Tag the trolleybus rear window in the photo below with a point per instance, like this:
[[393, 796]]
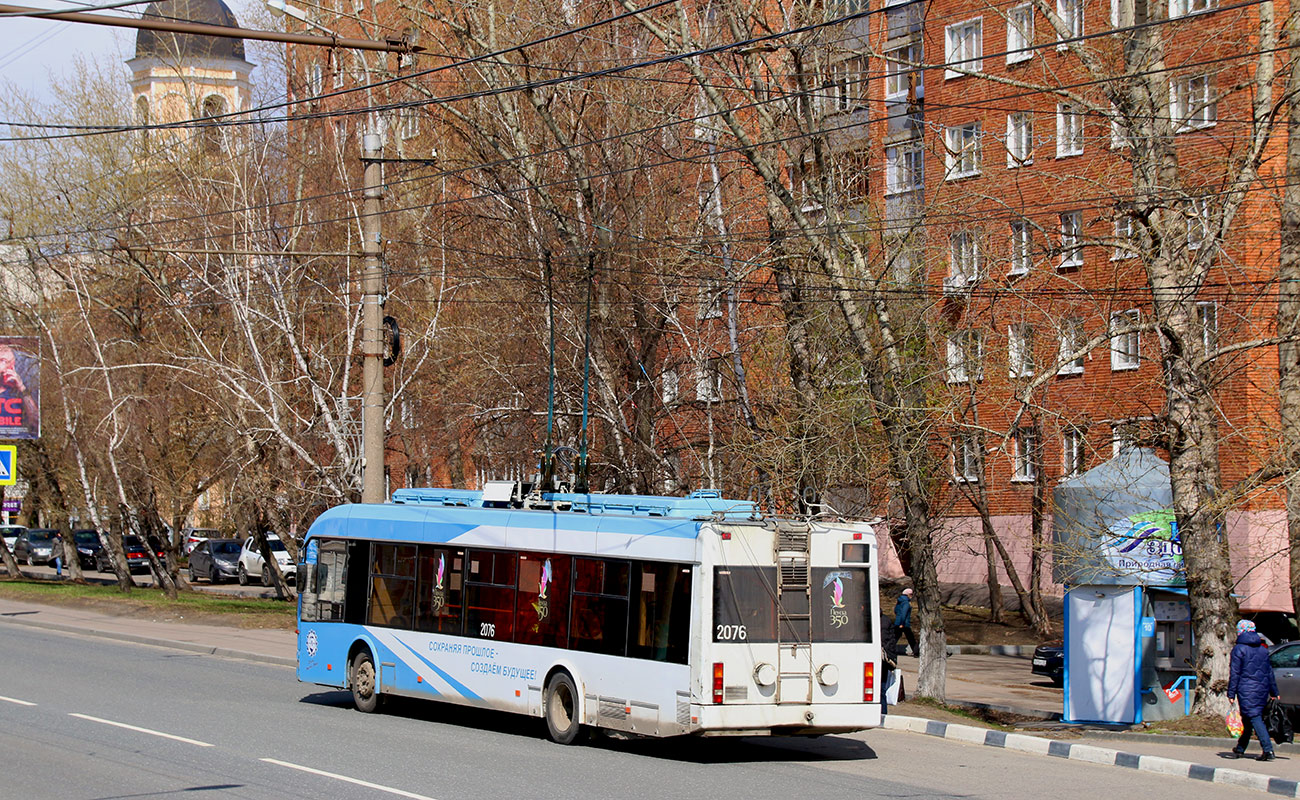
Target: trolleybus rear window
[[744, 604], [841, 605]]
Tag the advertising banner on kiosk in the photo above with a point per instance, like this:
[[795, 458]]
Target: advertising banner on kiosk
[[20, 388]]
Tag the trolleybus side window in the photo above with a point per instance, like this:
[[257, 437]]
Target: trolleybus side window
[[490, 595], [600, 606], [543, 600], [744, 604], [441, 590], [392, 585], [661, 612], [841, 604]]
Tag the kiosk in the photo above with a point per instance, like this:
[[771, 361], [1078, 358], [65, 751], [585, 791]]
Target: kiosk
[[1128, 634]]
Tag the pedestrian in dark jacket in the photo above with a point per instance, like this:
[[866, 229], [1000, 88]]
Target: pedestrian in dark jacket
[[888, 662], [1251, 684], [903, 621]]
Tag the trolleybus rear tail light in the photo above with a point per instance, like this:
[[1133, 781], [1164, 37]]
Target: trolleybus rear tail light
[[868, 682], [717, 683]]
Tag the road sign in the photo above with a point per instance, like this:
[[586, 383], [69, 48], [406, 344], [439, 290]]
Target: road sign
[[16, 507], [8, 465]]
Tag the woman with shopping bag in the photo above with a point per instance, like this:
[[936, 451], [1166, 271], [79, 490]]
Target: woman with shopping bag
[[1251, 684]]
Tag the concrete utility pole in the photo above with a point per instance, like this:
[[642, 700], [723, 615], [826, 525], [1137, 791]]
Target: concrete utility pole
[[372, 313]]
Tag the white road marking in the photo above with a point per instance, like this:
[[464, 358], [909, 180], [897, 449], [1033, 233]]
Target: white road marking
[[16, 701], [346, 779], [141, 730]]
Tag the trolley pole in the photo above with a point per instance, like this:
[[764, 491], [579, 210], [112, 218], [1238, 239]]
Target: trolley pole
[[372, 312]]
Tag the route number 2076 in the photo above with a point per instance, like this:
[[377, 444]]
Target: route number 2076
[[730, 633], [487, 629]]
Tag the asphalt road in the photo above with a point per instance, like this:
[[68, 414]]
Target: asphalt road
[[88, 718]]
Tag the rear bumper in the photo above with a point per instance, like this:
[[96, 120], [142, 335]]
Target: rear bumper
[[784, 720]]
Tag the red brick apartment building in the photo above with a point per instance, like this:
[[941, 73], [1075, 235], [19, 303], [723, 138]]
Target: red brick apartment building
[[1012, 151], [999, 182]]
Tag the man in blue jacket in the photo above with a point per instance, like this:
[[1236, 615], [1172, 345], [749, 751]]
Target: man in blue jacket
[[903, 621], [1251, 684]]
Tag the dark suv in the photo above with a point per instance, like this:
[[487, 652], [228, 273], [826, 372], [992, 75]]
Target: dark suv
[[1049, 660]]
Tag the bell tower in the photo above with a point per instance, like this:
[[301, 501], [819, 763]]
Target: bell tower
[[180, 76]]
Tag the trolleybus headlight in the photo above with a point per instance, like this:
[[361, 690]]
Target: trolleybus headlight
[[828, 675], [765, 674], [717, 683]]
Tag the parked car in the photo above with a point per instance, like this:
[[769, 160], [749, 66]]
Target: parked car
[[137, 560], [88, 546], [250, 560], [1285, 660], [1049, 660], [11, 534], [215, 559], [195, 535], [35, 546]]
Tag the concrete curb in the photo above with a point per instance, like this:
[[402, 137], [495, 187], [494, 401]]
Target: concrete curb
[[191, 647], [1093, 755], [1173, 738], [1013, 650]]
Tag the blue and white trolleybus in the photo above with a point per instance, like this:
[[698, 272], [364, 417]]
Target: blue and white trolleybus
[[657, 616]]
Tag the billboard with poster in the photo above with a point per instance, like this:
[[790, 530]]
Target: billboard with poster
[[20, 387]]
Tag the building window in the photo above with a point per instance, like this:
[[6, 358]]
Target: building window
[[1118, 126], [1074, 451], [963, 150], [1069, 130], [1022, 242], [1020, 34], [1020, 351], [1071, 239], [1181, 8], [708, 381], [1191, 103], [1026, 454], [316, 80], [965, 353], [1125, 342], [1072, 341], [1123, 247], [1020, 139], [1071, 13], [904, 262], [964, 47], [1207, 314], [670, 387], [848, 84], [903, 81], [1198, 222], [337, 82], [409, 123], [904, 169], [1124, 435], [963, 260], [965, 458]]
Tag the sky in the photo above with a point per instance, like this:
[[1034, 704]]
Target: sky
[[33, 50]]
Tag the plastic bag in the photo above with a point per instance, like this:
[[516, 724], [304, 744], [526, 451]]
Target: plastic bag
[[1233, 721]]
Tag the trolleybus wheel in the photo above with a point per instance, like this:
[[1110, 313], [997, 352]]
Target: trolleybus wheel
[[562, 709], [365, 695]]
